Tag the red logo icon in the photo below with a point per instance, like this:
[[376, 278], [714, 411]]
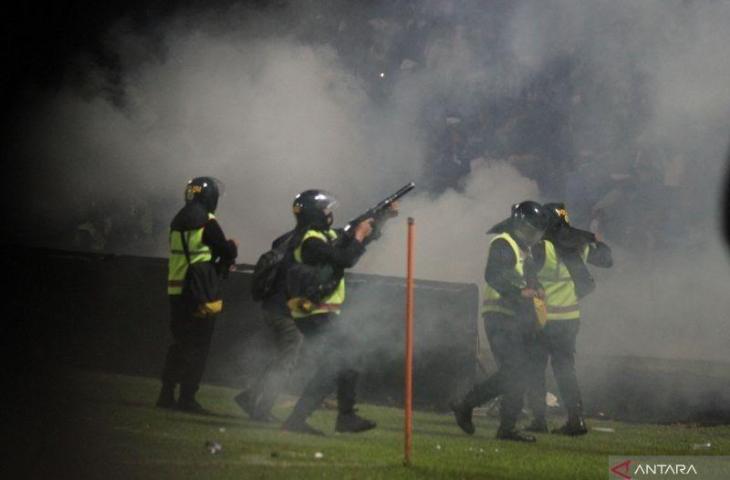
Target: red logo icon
[[621, 470]]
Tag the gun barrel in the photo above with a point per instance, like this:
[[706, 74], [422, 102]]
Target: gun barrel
[[403, 190], [380, 207]]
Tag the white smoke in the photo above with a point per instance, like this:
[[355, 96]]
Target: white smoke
[[272, 115], [451, 241]]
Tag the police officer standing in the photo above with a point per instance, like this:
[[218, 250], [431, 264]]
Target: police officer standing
[[195, 236], [326, 340], [560, 261], [509, 318]]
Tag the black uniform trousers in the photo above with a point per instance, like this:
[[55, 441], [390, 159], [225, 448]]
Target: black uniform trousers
[[557, 342], [511, 340], [288, 341], [186, 357], [332, 353]]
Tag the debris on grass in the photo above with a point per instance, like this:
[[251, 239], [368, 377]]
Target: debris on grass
[[213, 447], [604, 429], [318, 455], [222, 429], [438, 446], [551, 400], [701, 446]]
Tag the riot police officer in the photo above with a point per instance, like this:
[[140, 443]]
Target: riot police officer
[[259, 399], [195, 236], [560, 262], [509, 318], [331, 347]]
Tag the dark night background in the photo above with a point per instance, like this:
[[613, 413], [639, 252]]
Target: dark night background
[[40, 41]]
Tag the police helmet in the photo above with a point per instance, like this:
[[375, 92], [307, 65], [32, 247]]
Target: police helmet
[[313, 208], [529, 222], [204, 190], [557, 214]]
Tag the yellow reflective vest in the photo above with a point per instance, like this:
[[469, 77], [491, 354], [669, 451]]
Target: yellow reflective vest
[[560, 296], [301, 308], [493, 301], [178, 263]]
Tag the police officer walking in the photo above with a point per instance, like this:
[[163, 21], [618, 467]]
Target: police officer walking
[[560, 261], [260, 398], [327, 342], [509, 318], [195, 237]]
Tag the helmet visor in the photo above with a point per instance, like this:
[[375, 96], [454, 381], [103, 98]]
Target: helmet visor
[[528, 234], [326, 202]]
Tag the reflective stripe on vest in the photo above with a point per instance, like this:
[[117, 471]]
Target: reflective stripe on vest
[[560, 296], [333, 302], [492, 299], [178, 264]]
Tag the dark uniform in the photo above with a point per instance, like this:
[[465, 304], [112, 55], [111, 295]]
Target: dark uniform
[[560, 261], [510, 323], [328, 344], [259, 401], [192, 333]]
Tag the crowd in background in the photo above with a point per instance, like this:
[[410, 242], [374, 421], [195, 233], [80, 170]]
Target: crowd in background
[[620, 182], [581, 137]]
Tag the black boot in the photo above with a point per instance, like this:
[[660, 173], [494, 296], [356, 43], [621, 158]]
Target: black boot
[[190, 405], [574, 427], [187, 402], [514, 435], [538, 425], [298, 425], [353, 423], [463, 414], [167, 396]]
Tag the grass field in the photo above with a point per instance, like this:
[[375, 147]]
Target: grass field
[[115, 432]]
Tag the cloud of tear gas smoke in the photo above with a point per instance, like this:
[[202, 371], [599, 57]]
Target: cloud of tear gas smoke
[[269, 118], [663, 302], [451, 241], [275, 113]]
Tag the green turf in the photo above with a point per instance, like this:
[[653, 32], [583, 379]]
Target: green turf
[[119, 434]]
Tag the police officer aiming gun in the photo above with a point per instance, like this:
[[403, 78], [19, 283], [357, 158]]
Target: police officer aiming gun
[[326, 252]]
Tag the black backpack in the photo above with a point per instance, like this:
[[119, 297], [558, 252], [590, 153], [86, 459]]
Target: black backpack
[[267, 269]]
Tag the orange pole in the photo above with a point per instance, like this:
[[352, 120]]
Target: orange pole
[[408, 397]]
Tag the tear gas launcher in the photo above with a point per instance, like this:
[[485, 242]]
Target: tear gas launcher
[[378, 213]]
